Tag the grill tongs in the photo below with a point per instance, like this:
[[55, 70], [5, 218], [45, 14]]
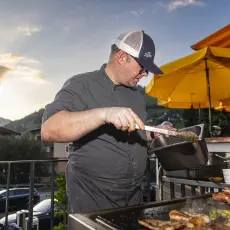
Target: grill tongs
[[186, 135]]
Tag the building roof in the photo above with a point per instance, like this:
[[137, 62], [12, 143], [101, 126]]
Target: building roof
[[5, 131], [220, 38]]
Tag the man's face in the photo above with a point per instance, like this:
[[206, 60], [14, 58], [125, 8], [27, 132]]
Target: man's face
[[132, 71]]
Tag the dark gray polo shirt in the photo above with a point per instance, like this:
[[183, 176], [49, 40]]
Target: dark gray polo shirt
[[106, 152]]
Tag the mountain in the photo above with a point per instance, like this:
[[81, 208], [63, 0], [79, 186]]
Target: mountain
[[31, 121], [4, 121]]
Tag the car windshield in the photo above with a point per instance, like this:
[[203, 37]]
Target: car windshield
[[43, 206]]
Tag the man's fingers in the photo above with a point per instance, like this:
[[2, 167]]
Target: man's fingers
[[123, 119], [138, 121], [117, 124], [131, 122], [124, 123]]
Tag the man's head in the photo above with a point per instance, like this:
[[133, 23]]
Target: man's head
[[133, 55]]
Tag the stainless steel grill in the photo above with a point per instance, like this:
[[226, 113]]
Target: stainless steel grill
[[126, 218]]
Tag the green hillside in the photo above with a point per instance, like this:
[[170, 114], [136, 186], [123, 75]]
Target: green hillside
[[32, 121]]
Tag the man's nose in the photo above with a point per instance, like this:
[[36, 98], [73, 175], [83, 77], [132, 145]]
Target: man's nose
[[144, 74]]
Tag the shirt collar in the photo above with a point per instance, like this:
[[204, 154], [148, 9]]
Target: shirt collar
[[107, 82]]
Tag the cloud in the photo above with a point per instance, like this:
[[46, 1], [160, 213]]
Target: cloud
[[22, 67], [28, 31], [183, 3], [3, 70], [8, 58], [137, 13], [28, 73]]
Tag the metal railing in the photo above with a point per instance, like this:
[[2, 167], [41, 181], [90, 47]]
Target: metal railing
[[31, 187], [171, 187], [193, 187]]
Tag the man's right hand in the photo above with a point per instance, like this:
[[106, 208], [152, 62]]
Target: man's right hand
[[122, 118]]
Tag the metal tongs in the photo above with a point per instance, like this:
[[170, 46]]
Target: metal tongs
[[159, 130], [184, 134]]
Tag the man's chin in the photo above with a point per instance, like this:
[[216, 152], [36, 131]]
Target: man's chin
[[133, 85]]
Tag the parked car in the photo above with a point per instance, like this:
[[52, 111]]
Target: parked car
[[42, 211], [18, 198]]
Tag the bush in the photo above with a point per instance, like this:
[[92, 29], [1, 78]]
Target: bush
[[61, 201]]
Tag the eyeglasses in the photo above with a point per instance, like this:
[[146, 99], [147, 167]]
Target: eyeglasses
[[142, 70]]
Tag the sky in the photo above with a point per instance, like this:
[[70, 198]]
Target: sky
[[45, 42]]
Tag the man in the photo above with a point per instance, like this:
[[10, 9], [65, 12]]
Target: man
[[98, 111]]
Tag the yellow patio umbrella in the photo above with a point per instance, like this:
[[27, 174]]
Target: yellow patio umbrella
[[184, 104], [201, 78]]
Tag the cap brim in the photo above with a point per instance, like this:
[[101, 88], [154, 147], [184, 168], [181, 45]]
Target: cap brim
[[151, 67]]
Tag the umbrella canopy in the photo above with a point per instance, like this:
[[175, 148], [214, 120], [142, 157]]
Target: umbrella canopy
[[201, 78], [184, 105]]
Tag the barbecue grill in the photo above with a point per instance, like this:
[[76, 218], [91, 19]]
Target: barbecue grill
[[126, 218]]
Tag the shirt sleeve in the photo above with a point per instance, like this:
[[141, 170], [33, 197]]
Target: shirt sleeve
[[69, 98]]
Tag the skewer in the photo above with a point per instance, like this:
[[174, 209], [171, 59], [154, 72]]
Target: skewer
[[190, 136]]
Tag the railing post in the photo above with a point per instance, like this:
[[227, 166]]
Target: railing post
[[159, 183], [193, 190], [52, 196], [212, 190], [172, 190], [7, 195], [31, 197], [202, 190], [182, 190]]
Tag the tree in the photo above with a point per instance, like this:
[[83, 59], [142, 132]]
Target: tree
[[12, 149], [221, 119], [191, 117]]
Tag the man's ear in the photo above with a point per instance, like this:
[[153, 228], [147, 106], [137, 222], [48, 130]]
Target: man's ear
[[121, 57]]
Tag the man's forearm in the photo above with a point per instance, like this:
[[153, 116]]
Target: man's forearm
[[70, 126]]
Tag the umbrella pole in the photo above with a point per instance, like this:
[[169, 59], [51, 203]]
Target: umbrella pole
[[199, 114], [209, 97]]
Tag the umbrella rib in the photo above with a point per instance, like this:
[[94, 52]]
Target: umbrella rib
[[213, 65]]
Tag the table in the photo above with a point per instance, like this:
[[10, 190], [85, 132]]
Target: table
[[218, 144]]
